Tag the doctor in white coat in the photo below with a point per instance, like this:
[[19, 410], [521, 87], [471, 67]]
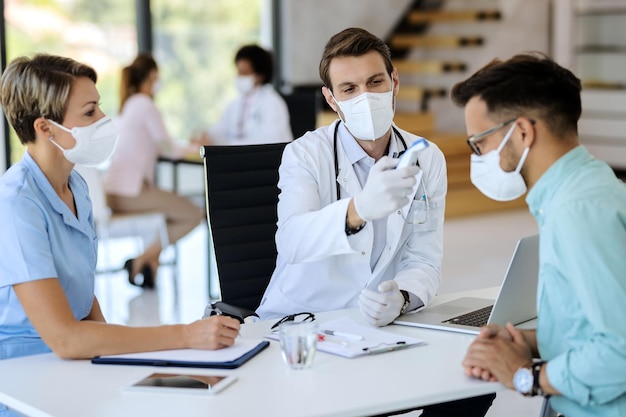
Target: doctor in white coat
[[352, 230], [258, 114]]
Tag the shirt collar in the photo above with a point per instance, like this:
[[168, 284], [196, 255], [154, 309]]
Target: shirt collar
[[44, 185], [353, 150], [543, 190]]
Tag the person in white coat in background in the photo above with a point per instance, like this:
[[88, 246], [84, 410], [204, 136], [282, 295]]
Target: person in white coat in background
[[345, 236], [259, 114]]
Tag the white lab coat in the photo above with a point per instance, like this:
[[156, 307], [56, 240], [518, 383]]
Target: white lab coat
[[260, 117], [319, 267]]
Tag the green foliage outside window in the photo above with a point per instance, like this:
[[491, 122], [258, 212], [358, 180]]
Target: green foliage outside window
[[194, 44]]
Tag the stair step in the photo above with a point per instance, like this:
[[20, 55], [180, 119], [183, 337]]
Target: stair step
[[418, 93], [431, 16], [469, 201], [421, 95], [417, 123], [421, 41], [429, 66]]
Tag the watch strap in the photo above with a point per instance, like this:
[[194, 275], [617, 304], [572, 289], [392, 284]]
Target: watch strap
[[407, 301], [354, 230], [536, 373]]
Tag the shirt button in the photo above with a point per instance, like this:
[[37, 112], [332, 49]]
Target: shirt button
[[399, 211], [362, 252]]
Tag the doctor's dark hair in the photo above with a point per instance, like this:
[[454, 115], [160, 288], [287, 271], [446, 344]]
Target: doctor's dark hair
[[36, 87], [352, 42], [260, 59], [134, 75], [529, 84]]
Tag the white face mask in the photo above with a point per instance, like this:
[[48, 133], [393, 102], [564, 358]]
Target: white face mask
[[497, 184], [369, 115], [244, 83], [94, 143]]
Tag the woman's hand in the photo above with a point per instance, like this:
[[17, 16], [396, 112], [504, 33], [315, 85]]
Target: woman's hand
[[214, 332]]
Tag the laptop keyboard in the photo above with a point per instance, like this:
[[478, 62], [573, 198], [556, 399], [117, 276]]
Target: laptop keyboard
[[476, 318]]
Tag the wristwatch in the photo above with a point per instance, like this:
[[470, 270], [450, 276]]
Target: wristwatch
[[526, 380], [354, 230], [523, 381], [407, 301]]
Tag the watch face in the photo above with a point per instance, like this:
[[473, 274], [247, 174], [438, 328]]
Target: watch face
[[523, 380]]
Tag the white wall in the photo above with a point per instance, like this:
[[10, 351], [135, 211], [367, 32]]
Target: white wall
[[308, 24]]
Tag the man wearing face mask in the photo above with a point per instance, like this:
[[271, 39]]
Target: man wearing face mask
[[345, 234], [522, 115], [258, 114], [343, 237]]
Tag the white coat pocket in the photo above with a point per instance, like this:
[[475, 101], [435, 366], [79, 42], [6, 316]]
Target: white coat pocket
[[423, 215]]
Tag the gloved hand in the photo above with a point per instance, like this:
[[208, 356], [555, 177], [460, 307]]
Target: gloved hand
[[381, 308], [386, 189]]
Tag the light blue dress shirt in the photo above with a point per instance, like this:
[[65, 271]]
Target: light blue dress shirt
[[580, 207], [41, 238], [362, 163]]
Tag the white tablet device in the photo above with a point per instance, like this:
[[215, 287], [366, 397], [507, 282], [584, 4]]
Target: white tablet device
[[182, 383]]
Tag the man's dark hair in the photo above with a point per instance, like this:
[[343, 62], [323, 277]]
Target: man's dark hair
[[352, 42], [260, 59], [529, 84]]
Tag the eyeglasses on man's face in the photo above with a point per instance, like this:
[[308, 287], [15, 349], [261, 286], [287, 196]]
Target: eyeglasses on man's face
[[474, 139], [298, 317]]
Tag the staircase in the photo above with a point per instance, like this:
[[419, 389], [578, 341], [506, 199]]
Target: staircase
[[422, 54], [425, 77]]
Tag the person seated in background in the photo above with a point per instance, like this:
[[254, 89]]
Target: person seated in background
[[129, 179], [48, 241], [346, 234], [522, 115], [259, 114]]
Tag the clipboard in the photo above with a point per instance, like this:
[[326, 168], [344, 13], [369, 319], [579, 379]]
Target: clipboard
[[228, 358], [370, 340]]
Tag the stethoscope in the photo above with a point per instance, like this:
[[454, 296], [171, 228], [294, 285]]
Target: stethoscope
[[425, 197]]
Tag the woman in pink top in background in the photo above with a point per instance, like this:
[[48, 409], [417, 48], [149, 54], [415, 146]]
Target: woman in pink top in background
[[129, 180]]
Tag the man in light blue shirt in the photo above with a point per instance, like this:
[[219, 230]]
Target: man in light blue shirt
[[522, 116]]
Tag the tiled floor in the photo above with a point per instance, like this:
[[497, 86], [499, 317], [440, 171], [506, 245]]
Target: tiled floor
[[477, 251]]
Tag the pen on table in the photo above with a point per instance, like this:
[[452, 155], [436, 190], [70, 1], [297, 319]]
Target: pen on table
[[343, 335], [325, 338], [376, 350]]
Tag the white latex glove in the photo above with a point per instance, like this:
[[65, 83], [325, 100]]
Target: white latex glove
[[386, 189], [381, 308]]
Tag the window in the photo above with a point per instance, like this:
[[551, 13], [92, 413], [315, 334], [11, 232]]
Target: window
[[195, 45], [101, 34]]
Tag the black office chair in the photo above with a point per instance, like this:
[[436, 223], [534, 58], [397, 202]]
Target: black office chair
[[242, 194], [303, 106]]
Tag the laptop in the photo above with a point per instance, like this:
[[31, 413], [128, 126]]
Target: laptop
[[516, 301]]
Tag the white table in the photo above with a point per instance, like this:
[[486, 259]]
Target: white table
[[45, 386]]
